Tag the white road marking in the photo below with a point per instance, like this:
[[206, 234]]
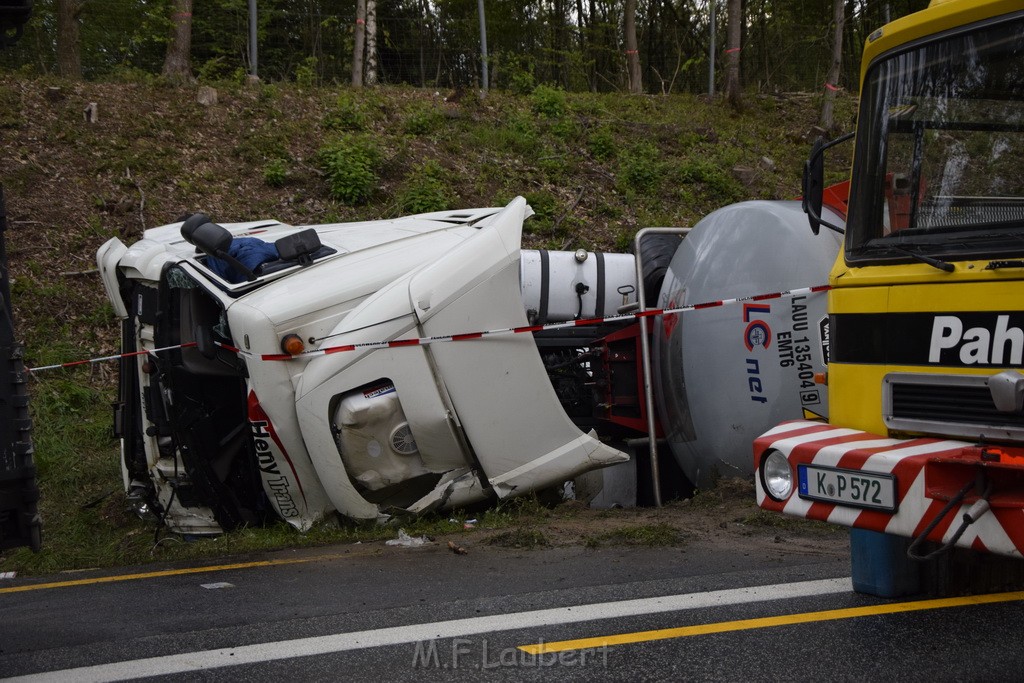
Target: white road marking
[[397, 635]]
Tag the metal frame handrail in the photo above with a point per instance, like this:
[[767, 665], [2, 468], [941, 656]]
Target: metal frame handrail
[[645, 352]]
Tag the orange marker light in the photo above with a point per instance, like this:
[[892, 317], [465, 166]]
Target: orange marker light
[[821, 378], [293, 345]]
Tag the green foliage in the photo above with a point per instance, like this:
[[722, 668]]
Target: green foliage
[[306, 74], [350, 163], [425, 190], [520, 134], [544, 205], [349, 114], [601, 144], [548, 101], [130, 74], [715, 177], [275, 173], [624, 240], [518, 73], [215, 69], [565, 129], [641, 169], [422, 120]]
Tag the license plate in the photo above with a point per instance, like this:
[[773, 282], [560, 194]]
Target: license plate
[[848, 487]]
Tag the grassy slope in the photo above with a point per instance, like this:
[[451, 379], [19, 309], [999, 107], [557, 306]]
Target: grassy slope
[[594, 167]]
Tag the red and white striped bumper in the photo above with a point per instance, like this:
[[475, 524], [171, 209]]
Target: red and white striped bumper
[[928, 474]]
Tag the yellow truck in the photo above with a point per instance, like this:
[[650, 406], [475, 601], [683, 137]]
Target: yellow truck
[[923, 451]]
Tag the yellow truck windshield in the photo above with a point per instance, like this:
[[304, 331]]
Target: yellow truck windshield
[[940, 149]]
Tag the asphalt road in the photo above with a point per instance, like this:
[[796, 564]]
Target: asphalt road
[[366, 612]]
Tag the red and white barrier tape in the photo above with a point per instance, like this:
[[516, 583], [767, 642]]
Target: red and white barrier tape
[[424, 341], [116, 356]]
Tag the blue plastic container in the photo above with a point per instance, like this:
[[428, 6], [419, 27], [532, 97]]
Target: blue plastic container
[[880, 565]]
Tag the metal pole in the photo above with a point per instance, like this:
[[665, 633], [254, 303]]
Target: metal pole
[[711, 53], [253, 70], [645, 355], [483, 46]]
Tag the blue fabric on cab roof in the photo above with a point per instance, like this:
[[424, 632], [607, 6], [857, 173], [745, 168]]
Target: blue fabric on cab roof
[[249, 251]]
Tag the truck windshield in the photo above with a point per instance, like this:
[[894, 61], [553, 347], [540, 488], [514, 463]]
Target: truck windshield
[[940, 149]]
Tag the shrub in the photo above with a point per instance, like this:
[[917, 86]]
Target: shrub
[[422, 121], [275, 172], [348, 114], [641, 170], [519, 74], [306, 74], [714, 177], [548, 101], [425, 190], [602, 144], [350, 163], [544, 205]]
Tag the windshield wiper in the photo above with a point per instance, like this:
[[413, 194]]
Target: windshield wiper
[[996, 265], [934, 262]]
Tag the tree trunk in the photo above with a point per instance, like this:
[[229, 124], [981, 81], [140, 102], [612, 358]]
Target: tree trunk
[[592, 40], [732, 51], [371, 42], [832, 80], [636, 85], [69, 55], [425, 13], [357, 50], [178, 60]]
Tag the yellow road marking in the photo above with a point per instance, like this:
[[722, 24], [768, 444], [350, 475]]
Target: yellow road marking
[[166, 572], [768, 622]]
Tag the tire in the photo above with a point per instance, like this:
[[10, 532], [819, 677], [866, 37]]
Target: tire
[[656, 252]]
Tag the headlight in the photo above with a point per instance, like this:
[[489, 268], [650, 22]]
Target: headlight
[[777, 476]]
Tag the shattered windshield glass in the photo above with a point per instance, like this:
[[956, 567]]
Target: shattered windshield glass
[[940, 149]]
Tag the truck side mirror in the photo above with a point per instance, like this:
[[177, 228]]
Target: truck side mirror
[[814, 184]]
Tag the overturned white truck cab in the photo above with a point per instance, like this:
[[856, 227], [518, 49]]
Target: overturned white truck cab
[[253, 392], [281, 371]]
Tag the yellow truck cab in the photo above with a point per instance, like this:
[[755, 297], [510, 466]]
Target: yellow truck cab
[[925, 438]]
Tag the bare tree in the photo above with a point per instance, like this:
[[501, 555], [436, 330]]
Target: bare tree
[[636, 85], [69, 51], [732, 72], [178, 60], [359, 44], [831, 82], [371, 42]]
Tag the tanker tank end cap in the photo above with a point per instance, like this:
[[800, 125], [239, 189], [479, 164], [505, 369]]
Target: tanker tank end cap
[[1007, 389]]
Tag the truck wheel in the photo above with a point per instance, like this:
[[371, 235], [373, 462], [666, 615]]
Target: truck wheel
[[656, 252]]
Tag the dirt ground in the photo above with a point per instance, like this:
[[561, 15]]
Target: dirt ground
[[724, 518]]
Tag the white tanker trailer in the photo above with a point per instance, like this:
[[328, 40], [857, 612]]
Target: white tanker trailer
[[428, 362]]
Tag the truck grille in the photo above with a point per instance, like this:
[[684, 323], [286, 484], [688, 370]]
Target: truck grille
[[947, 405]]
